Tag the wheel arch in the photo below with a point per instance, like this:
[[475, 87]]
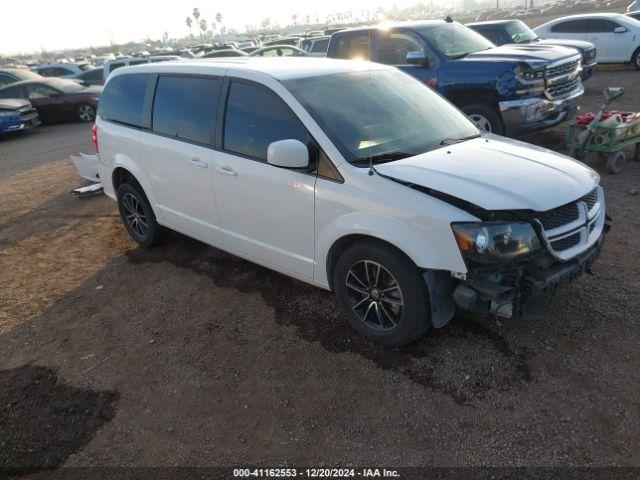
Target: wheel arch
[[128, 173]]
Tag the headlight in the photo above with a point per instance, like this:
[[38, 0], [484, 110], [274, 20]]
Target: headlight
[[494, 242]]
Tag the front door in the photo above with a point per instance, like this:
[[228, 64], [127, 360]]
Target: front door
[[266, 212]]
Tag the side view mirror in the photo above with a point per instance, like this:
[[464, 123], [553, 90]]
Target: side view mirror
[[417, 58], [288, 154], [619, 30]]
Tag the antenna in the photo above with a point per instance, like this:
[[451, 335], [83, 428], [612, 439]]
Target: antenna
[[370, 146]]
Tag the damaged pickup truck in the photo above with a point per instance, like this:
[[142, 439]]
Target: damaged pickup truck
[[351, 176]]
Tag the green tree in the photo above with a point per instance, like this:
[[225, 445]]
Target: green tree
[[189, 24], [203, 27]]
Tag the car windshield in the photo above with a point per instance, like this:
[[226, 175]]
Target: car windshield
[[381, 114], [520, 33], [454, 40]]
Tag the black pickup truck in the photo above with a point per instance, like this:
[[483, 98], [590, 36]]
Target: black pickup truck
[[510, 89], [503, 32]]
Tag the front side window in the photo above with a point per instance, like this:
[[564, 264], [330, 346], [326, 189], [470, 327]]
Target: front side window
[[256, 117], [380, 114], [123, 100], [6, 80], [353, 46], [520, 33], [115, 65], [394, 48], [600, 25], [185, 107], [320, 46], [454, 40]]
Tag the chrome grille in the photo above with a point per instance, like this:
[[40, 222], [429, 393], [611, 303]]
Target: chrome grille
[[572, 228], [563, 88], [589, 56], [562, 69], [560, 216]]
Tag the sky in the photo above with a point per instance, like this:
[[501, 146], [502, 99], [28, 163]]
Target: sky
[[28, 26]]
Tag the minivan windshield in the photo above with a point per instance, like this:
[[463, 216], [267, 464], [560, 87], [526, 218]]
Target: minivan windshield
[[380, 114], [453, 40], [520, 33]]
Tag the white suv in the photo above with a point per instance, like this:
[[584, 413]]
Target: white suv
[[351, 176]]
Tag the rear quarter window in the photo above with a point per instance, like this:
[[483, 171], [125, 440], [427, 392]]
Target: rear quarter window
[[124, 98], [353, 46]]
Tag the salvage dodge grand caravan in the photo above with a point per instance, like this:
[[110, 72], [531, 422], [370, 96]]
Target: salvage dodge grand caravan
[[351, 176]]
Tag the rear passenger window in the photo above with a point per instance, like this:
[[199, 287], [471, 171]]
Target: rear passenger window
[[571, 26], [123, 100], [255, 118], [185, 107], [320, 46], [353, 46]]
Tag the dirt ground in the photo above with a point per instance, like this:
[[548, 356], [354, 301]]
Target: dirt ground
[[185, 356]]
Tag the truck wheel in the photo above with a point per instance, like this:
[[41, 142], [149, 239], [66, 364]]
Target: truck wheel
[[382, 293], [487, 119], [137, 216], [635, 58], [616, 161]]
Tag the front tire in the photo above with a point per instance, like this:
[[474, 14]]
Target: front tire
[[85, 113], [635, 58], [486, 118], [138, 217], [382, 293]]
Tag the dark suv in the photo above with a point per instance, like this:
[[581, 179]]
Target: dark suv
[[508, 89]]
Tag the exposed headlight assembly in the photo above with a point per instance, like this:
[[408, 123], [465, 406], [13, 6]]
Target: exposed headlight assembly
[[494, 242]]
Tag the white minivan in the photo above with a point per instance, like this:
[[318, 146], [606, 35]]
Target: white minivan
[[351, 176]]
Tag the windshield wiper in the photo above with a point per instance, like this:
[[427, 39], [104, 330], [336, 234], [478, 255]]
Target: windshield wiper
[[382, 157], [451, 141]]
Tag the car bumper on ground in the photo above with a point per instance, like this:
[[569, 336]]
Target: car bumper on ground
[[534, 114]]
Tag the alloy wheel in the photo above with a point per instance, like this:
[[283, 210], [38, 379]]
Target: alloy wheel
[[86, 113], [374, 295], [135, 217], [481, 122]]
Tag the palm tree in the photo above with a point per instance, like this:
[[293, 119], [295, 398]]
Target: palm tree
[[203, 27], [189, 24], [219, 17], [196, 15]]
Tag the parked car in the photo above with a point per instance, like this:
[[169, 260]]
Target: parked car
[[634, 15], [293, 41], [57, 99], [229, 52], [90, 77], [279, 51], [62, 70], [504, 32], [125, 62], [509, 89], [316, 46], [17, 115], [394, 201], [634, 6], [13, 75], [616, 36]]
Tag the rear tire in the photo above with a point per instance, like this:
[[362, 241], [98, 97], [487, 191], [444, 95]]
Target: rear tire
[[382, 293], [486, 118], [616, 162], [85, 112], [138, 217]]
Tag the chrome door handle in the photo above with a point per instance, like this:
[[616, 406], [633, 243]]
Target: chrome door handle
[[197, 162], [226, 171]]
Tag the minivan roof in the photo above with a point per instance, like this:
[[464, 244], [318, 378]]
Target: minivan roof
[[278, 68]]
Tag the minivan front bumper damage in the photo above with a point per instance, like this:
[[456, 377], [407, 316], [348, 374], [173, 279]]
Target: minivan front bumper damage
[[506, 291]]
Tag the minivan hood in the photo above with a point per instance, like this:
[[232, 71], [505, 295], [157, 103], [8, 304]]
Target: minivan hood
[[530, 53], [497, 173], [13, 103]]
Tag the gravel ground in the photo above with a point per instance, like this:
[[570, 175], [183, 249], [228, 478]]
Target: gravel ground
[[184, 355]]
